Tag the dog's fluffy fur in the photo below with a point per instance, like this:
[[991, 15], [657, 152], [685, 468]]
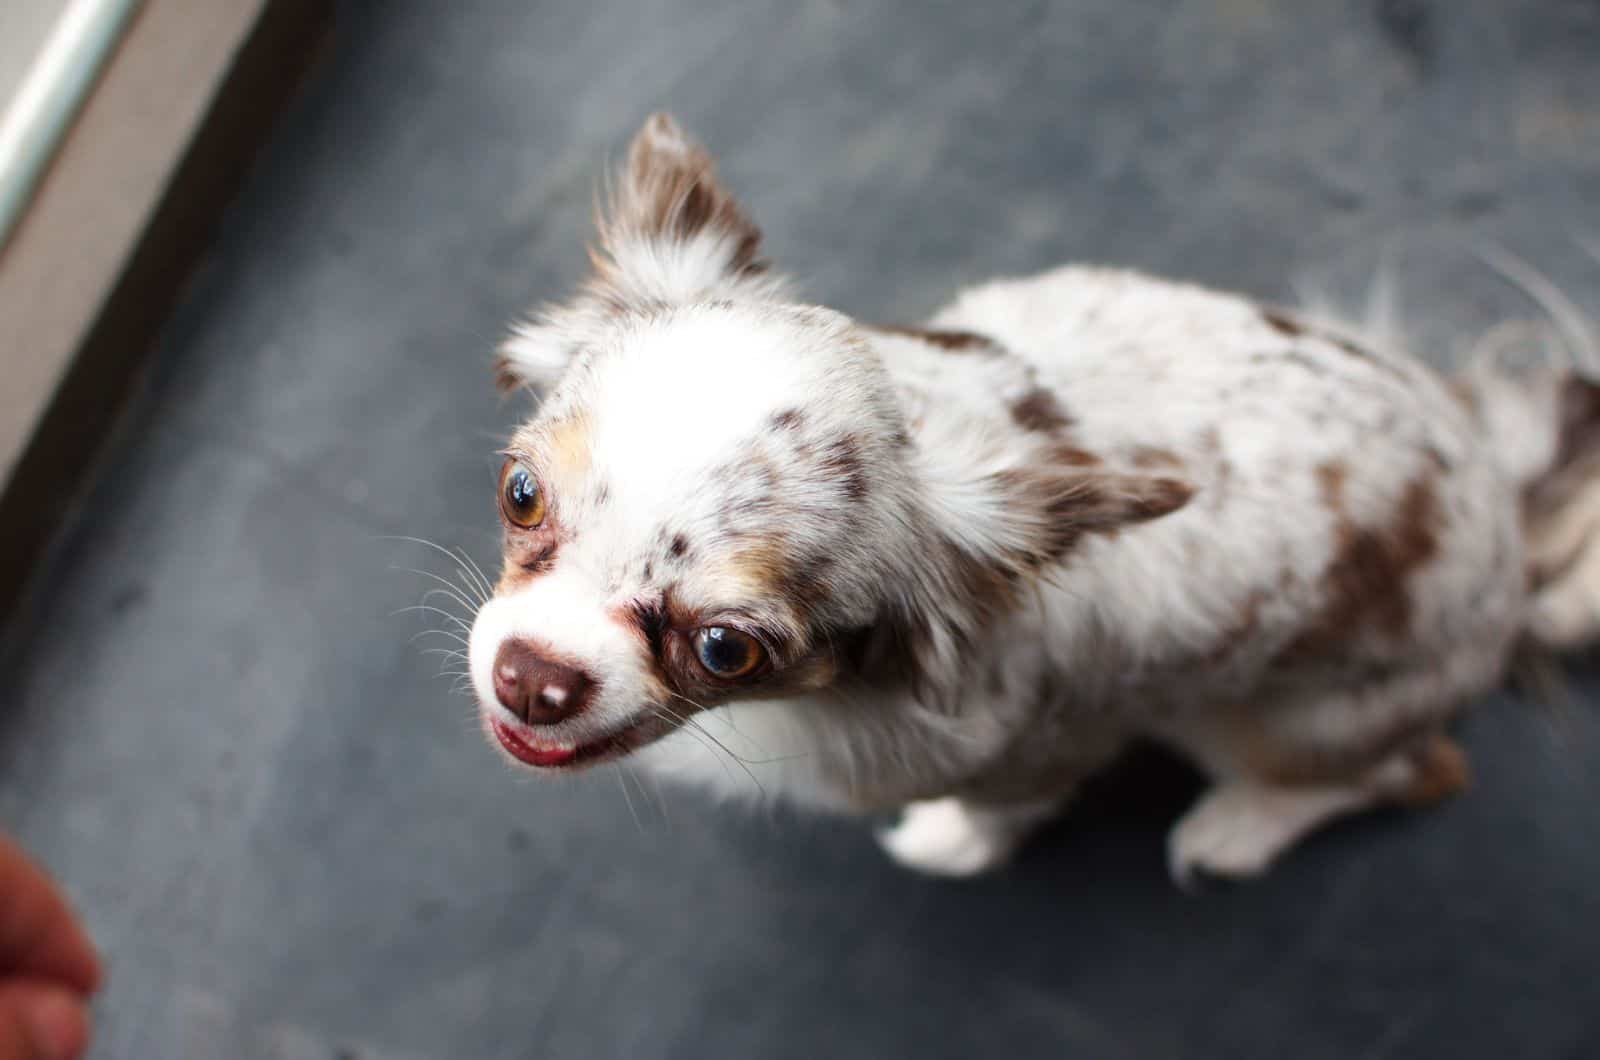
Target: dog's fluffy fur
[[985, 554]]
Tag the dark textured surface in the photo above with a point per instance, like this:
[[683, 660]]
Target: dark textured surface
[[288, 835]]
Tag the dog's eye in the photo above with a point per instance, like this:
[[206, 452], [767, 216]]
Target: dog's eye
[[728, 653], [521, 499]]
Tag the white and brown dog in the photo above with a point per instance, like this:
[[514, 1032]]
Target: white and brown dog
[[956, 568]]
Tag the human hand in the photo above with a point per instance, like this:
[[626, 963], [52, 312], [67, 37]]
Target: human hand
[[48, 967]]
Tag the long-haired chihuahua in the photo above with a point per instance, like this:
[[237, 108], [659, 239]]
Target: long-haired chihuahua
[[954, 569]]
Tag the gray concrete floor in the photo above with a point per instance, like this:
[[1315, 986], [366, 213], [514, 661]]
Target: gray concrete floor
[[285, 830]]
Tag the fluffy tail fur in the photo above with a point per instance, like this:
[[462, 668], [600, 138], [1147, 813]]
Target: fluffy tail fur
[[1543, 423], [1534, 389]]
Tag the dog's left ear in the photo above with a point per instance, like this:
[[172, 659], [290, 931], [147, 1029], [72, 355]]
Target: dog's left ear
[[994, 535], [1049, 509], [670, 233]]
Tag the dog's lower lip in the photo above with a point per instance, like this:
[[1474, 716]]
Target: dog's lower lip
[[549, 755], [525, 750]]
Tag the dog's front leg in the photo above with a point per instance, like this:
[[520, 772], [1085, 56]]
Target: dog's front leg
[[959, 837]]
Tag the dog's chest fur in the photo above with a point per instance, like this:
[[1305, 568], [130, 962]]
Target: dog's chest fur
[[1345, 517]]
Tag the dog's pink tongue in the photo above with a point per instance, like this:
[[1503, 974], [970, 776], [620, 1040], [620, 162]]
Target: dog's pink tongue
[[532, 753]]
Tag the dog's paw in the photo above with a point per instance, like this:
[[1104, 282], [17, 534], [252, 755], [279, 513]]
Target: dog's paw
[[942, 837], [1229, 833], [1237, 830]]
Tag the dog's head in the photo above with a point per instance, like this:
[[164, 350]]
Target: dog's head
[[718, 497]]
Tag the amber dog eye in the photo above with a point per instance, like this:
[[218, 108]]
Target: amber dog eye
[[727, 653], [521, 499]]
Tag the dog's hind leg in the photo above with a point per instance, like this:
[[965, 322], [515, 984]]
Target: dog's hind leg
[[1284, 770], [1239, 827]]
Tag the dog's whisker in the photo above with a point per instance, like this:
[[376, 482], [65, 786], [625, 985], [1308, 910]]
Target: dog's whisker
[[480, 578], [651, 800], [443, 551], [622, 782], [458, 638], [697, 735], [450, 588], [446, 615], [448, 653], [470, 612], [1574, 325], [1590, 247], [688, 725], [694, 721], [432, 594], [708, 713]]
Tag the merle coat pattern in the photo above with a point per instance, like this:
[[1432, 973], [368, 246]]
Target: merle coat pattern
[[956, 568]]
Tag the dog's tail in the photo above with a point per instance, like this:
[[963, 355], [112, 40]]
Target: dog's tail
[[1543, 426], [1542, 419], [1533, 390]]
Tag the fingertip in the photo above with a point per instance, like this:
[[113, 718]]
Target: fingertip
[[57, 1023], [92, 970]]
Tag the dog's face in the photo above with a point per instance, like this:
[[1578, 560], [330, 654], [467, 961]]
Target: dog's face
[[698, 512], [719, 499]]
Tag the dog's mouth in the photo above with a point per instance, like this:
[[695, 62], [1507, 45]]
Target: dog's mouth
[[531, 747]]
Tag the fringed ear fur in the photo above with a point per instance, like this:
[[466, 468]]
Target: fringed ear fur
[[993, 537], [667, 196], [670, 233]]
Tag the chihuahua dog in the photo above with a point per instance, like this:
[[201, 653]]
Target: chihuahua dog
[[952, 570]]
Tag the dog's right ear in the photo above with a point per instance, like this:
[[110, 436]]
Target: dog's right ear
[[670, 233]]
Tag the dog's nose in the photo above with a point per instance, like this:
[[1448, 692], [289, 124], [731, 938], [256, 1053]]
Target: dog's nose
[[537, 688]]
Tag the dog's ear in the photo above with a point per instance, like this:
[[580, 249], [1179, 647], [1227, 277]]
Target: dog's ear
[[1048, 509], [993, 536], [669, 232]]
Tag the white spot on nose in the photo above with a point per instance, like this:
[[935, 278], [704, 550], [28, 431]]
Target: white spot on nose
[[554, 695]]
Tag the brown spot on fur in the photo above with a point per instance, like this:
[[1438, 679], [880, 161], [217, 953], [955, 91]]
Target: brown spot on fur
[[806, 583], [1147, 457], [1158, 497], [1466, 396], [760, 567], [1072, 456], [1038, 410], [1440, 770], [1350, 346], [1289, 326], [953, 341], [843, 463], [1330, 484], [1365, 584], [679, 546], [506, 378], [568, 442], [1282, 323], [524, 557], [788, 419], [1239, 632]]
